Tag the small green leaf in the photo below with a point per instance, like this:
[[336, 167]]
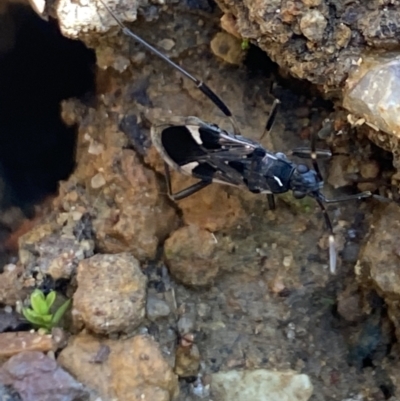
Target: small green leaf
[[51, 297], [38, 303], [60, 312], [47, 318], [32, 317]]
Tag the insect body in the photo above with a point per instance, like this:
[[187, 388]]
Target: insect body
[[210, 154]]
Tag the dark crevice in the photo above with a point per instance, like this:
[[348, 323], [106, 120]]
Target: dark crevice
[[38, 69]]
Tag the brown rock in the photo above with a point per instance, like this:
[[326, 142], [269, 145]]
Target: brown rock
[[349, 304], [312, 3], [53, 248], [13, 343], [130, 216], [228, 22], [190, 254], [340, 165], [134, 370], [12, 285], [111, 293], [187, 359], [279, 26], [227, 47], [211, 208], [343, 35], [370, 169], [379, 259]]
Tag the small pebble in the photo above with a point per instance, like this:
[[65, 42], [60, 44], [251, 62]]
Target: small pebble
[[369, 169], [156, 308], [287, 261], [8, 309], [186, 323], [166, 44], [97, 181]]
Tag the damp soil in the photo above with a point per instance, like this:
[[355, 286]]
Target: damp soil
[[274, 305]]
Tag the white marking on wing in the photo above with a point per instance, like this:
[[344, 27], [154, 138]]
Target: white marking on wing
[[194, 130], [189, 167], [278, 181]]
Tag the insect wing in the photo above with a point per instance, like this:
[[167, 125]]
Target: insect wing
[[203, 150]]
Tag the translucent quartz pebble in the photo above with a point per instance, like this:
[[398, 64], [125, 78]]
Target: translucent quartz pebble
[[373, 92]]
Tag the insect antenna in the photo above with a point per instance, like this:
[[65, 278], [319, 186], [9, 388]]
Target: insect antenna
[[271, 118], [199, 84]]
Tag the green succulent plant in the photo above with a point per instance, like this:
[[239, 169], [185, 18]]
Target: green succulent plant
[[39, 314]]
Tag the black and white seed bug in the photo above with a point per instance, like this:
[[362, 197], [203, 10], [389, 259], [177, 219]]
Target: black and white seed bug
[[213, 155]]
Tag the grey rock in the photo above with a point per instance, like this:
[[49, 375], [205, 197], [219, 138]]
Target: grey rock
[[35, 376], [156, 308]]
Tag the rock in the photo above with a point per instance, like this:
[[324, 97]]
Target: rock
[[190, 256], [128, 213], [312, 25], [381, 28], [370, 169], [35, 377], [111, 294], [12, 285], [212, 208], [343, 35], [187, 320], [75, 20], [228, 23], [340, 167], [14, 343], [107, 57], [378, 262], [134, 370], [187, 357], [312, 3], [56, 249], [11, 320], [336, 40], [372, 92], [260, 385], [7, 393], [349, 304], [166, 44], [156, 308], [227, 47]]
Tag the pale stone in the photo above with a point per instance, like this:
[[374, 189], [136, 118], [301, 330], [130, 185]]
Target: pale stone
[[373, 92], [261, 385]]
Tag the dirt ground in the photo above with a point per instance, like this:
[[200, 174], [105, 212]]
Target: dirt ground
[[273, 303]]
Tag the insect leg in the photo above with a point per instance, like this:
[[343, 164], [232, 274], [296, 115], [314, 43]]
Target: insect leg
[[320, 198], [192, 189], [306, 153], [271, 201], [361, 195], [200, 85]]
